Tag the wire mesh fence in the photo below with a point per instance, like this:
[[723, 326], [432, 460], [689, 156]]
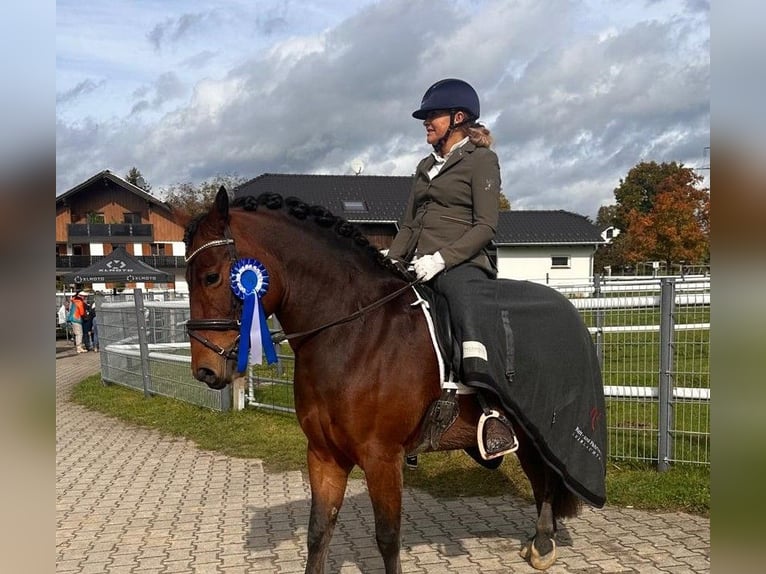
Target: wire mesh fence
[[657, 385], [654, 358], [155, 359]]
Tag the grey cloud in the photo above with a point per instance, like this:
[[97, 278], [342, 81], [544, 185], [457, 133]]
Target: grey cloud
[[173, 30], [166, 87], [83, 88], [571, 113]]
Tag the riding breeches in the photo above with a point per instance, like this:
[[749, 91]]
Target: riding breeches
[[463, 286]]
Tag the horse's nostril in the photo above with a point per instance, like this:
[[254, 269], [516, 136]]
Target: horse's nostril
[[205, 375]]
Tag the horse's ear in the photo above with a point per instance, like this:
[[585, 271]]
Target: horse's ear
[[222, 203]]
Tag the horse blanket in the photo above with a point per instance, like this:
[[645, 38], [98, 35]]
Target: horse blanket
[[545, 371]]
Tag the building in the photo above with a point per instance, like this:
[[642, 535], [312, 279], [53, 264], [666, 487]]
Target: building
[[94, 217], [105, 212]]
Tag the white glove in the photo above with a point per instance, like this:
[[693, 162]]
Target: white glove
[[429, 265]]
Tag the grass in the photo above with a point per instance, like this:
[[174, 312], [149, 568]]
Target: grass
[[277, 440]]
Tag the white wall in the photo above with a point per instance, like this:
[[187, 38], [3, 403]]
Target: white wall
[[534, 264]]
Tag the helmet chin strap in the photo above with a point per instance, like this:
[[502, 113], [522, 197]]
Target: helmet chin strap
[[452, 125]]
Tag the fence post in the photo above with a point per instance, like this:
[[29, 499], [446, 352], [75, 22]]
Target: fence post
[[143, 345], [667, 319], [599, 321]]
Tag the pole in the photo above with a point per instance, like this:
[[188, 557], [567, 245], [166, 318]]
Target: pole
[[143, 345], [667, 318]]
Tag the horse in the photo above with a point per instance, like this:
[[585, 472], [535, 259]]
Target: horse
[[365, 368]]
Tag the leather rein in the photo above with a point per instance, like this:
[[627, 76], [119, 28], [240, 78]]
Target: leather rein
[[193, 325]]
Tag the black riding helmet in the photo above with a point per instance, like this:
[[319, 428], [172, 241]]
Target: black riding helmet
[[453, 95], [449, 94]]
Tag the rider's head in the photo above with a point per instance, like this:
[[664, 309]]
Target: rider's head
[[447, 105]]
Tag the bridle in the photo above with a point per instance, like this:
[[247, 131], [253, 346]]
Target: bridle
[[193, 325]]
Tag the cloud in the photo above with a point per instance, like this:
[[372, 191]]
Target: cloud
[[173, 30], [574, 95], [83, 88]]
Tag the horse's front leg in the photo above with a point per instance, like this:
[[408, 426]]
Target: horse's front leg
[[384, 483], [328, 484]]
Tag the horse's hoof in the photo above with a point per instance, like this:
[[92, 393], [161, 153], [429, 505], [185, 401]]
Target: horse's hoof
[[542, 562]]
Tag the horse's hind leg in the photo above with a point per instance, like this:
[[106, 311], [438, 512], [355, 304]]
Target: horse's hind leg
[[328, 485], [540, 550], [384, 484]]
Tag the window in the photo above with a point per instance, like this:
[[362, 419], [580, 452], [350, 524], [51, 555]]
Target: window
[[94, 217], [355, 206], [158, 248], [131, 217], [560, 261]]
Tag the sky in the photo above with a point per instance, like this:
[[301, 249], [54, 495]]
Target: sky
[[575, 92]]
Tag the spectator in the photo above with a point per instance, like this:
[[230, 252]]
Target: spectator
[[87, 323], [75, 318]]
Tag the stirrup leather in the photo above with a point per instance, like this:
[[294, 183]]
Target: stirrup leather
[[493, 414]]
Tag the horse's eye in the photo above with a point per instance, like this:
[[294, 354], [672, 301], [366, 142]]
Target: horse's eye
[[211, 278]]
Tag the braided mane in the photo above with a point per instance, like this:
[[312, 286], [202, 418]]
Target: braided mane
[[303, 211]]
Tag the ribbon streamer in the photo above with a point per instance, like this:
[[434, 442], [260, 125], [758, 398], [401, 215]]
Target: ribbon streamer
[[250, 282]]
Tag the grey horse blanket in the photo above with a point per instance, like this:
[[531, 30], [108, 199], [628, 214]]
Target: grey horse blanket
[[545, 372]]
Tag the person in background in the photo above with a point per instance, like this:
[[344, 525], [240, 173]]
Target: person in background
[[450, 219], [75, 318], [94, 331], [87, 323]]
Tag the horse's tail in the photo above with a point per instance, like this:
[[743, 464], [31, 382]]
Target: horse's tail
[[565, 503]]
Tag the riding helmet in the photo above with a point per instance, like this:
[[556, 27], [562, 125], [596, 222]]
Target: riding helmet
[[449, 94]]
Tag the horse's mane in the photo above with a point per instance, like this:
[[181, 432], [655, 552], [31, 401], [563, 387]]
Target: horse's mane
[[303, 211]]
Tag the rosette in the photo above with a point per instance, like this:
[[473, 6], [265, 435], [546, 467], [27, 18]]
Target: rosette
[[250, 282]]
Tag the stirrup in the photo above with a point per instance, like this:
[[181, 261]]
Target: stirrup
[[493, 414]]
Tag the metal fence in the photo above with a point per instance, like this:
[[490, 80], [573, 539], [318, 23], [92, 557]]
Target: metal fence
[[155, 358], [652, 338]]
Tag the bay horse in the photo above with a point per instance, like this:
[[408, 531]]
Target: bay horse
[[365, 369]]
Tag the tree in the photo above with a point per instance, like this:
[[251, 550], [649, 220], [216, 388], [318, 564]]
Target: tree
[[606, 216], [502, 203], [663, 215], [191, 200], [135, 177]]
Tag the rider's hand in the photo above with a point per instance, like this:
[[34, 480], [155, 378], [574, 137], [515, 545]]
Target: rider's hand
[[427, 266]]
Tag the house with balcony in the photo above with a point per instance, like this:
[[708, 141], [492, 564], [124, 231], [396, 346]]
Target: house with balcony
[[105, 212]]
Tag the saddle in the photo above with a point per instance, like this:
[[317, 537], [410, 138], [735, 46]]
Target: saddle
[[444, 411]]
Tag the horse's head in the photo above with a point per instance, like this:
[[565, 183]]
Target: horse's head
[[214, 242]]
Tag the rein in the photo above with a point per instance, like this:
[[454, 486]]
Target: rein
[[280, 336], [193, 325]]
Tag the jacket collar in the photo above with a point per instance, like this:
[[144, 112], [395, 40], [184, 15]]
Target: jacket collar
[[428, 162]]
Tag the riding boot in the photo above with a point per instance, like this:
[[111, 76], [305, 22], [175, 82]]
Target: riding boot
[[496, 436], [499, 438]]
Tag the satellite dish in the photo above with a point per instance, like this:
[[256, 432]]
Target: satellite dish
[[357, 166], [141, 182]]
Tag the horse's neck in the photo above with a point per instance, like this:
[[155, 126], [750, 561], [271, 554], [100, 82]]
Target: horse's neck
[[317, 296]]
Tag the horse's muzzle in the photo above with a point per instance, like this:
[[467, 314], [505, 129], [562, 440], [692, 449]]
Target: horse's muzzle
[[210, 378]]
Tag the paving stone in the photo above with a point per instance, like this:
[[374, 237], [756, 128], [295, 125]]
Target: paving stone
[[130, 500]]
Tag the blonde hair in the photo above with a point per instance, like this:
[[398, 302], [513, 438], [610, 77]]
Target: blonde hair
[[478, 134]]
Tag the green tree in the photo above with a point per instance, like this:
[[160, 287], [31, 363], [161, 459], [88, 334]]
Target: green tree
[[663, 215], [502, 203], [194, 199], [135, 177]]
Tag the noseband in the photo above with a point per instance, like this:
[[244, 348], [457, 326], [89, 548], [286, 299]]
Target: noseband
[[193, 325]]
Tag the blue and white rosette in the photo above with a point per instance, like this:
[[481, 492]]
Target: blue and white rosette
[[250, 281]]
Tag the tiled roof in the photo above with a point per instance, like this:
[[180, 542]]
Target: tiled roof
[[532, 227], [385, 198]]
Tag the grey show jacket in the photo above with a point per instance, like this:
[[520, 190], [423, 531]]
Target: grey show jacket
[[456, 212]]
